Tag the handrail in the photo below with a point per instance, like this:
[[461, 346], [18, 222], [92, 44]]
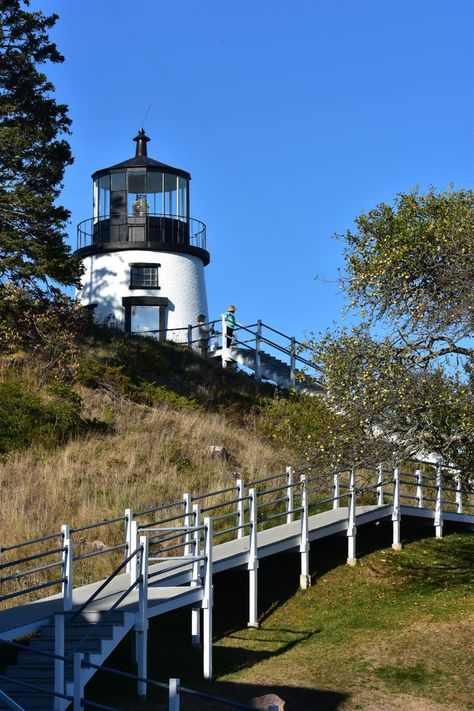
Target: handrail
[[104, 584], [35, 687]]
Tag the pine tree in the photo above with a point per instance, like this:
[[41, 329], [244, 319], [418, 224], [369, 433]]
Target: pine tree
[[33, 156]]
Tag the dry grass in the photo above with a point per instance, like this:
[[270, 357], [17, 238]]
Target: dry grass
[[151, 456]]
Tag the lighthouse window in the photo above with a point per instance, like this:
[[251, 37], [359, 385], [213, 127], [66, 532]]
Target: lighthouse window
[[118, 181], [154, 192], [104, 196], [137, 204], [182, 198], [170, 193], [144, 276]]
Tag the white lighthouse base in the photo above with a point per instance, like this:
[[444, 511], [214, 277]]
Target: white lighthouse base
[[165, 311]]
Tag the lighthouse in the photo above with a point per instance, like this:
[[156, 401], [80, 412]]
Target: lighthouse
[[143, 254]]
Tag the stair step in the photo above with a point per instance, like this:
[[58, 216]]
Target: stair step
[[89, 645], [113, 618], [77, 632]]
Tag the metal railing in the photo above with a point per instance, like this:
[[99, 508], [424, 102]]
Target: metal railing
[[176, 538], [262, 353], [444, 487], [152, 227]]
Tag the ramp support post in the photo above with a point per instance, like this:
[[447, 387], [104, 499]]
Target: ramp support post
[[141, 625], [66, 567], [240, 507], [224, 349], [458, 493], [207, 601], [292, 361], [289, 495], [336, 490], [351, 522], [58, 663], [379, 489], [130, 544], [396, 514], [187, 520], [196, 577], [419, 488], [305, 577], [252, 566], [438, 521], [173, 695], [258, 348], [77, 704]]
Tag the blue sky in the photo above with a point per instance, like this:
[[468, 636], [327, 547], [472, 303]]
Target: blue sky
[[291, 115]]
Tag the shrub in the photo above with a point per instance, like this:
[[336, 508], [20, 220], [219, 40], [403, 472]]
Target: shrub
[[26, 418]]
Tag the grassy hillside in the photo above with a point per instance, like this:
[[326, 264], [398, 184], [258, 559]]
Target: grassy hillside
[[132, 424]]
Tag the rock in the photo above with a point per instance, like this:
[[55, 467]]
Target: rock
[[263, 702], [217, 452], [98, 545]]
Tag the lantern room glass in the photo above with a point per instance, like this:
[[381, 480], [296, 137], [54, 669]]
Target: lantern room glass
[[138, 193]]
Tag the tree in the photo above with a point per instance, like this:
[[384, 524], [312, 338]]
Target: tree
[[410, 267], [386, 402], [33, 156]]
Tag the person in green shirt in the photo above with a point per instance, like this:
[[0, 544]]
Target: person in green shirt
[[230, 324]]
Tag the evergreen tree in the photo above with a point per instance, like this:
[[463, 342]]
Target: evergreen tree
[[33, 155]]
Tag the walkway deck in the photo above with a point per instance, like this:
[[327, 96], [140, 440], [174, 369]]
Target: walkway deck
[[166, 591]]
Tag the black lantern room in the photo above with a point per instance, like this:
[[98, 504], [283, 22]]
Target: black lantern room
[[141, 204]]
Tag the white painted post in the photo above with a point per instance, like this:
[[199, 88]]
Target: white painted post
[[133, 547], [438, 521], [58, 663], [380, 499], [258, 348], [351, 522], [419, 488], [78, 685], [240, 508], [196, 578], [289, 495], [190, 336], [396, 513], [187, 520], [224, 349], [66, 567], [252, 565], [336, 490], [207, 601], [130, 545], [141, 624], [305, 577], [292, 361], [458, 493], [173, 695]]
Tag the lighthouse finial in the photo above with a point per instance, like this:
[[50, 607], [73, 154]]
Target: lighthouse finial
[[141, 140]]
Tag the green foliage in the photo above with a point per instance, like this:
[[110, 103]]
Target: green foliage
[[48, 328], [302, 422], [409, 269], [389, 403], [114, 377], [28, 419], [33, 155], [412, 266]]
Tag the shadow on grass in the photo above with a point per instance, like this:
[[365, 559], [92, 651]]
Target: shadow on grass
[[121, 696], [171, 654]]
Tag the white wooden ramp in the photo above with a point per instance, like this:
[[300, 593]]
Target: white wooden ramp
[[170, 560]]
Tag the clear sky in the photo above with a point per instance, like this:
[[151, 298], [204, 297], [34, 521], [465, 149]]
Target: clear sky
[[291, 115]]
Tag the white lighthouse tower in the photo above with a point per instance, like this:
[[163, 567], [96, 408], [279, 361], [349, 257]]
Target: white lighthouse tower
[[144, 256]]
